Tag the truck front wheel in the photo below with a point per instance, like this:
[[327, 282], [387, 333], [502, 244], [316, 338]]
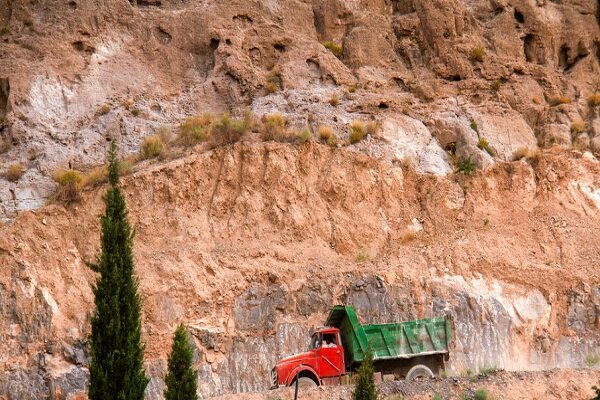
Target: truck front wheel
[[419, 372], [305, 382]]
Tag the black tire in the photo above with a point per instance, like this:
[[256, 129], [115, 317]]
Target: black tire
[[306, 382], [419, 372]]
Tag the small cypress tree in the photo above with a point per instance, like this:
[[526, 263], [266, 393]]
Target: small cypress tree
[[116, 368], [365, 387], [181, 378], [597, 390]]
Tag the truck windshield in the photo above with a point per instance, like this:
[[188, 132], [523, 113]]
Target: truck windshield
[[315, 342]]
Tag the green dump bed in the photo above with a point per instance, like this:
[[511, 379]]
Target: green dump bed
[[389, 341]]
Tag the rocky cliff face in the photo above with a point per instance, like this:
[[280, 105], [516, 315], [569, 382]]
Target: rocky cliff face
[[249, 244]]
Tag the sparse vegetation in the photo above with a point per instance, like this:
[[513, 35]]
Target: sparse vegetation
[[127, 104], [372, 128], [365, 387], [305, 135], [484, 145], [577, 128], [227, 130], [96, 176], [362, 255], [69, 185], [14, 172], [335, 48], [558, 100], [474, 126], [444, 374], [165, 133], [487, 370], [466, 166], [594, 100], [5, 30], [436, 397], [481, 394], [496, 85], [477, 54], [105, 109], [532, 156], [357, 131], [136, 112], [352, 88], [486, 222], [334, 100], [274, 127], [467, 373], [152, 147], [591, 360], [196, 129], [273, 80], [325, 133]]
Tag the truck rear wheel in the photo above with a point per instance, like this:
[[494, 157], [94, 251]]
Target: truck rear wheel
[[419, 372], [305, 382]]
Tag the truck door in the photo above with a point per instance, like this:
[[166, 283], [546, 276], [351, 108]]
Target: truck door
[[331, 356]]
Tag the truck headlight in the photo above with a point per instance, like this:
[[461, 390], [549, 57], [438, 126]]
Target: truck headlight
[[274, 379]]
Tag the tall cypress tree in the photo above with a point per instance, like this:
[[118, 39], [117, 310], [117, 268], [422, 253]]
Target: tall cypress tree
[[116, 369], [181, 378], [365, 387]]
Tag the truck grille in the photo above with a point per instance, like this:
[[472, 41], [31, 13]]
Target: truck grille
[[274, 379]]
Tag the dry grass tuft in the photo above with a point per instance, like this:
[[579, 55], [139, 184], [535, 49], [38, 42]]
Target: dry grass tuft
[[14, 172], [358, 131], [152, 147], [477, 54]]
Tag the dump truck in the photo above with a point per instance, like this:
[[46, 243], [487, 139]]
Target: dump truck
[[403, 350]]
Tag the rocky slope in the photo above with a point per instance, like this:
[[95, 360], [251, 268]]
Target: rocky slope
[[249, 244]]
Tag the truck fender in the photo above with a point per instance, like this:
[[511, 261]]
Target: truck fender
[[303, 370]]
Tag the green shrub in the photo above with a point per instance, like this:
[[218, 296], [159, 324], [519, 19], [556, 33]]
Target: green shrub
[[69, 185], [335, 48], [274, 127], [496, 85], [477, 54], [365, 387], [152, 147], [14, 172], [362, 255], [305, 135], [195, 129], [136, 112], [467, 373], [591, 360], [5, 30], [334, 100], [481, 394], [466, 166], [357, 131], [333, 140], [226, 130], [474, 126], [597, 390], [484, 145], [436, 397], [444, 374], [181, 377]]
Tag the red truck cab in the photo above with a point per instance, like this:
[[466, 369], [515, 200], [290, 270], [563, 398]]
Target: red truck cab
[[322, 364]]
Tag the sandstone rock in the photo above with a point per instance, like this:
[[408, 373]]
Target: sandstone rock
[[557, 134], [595, 144], [411, 141], [504, 129]]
